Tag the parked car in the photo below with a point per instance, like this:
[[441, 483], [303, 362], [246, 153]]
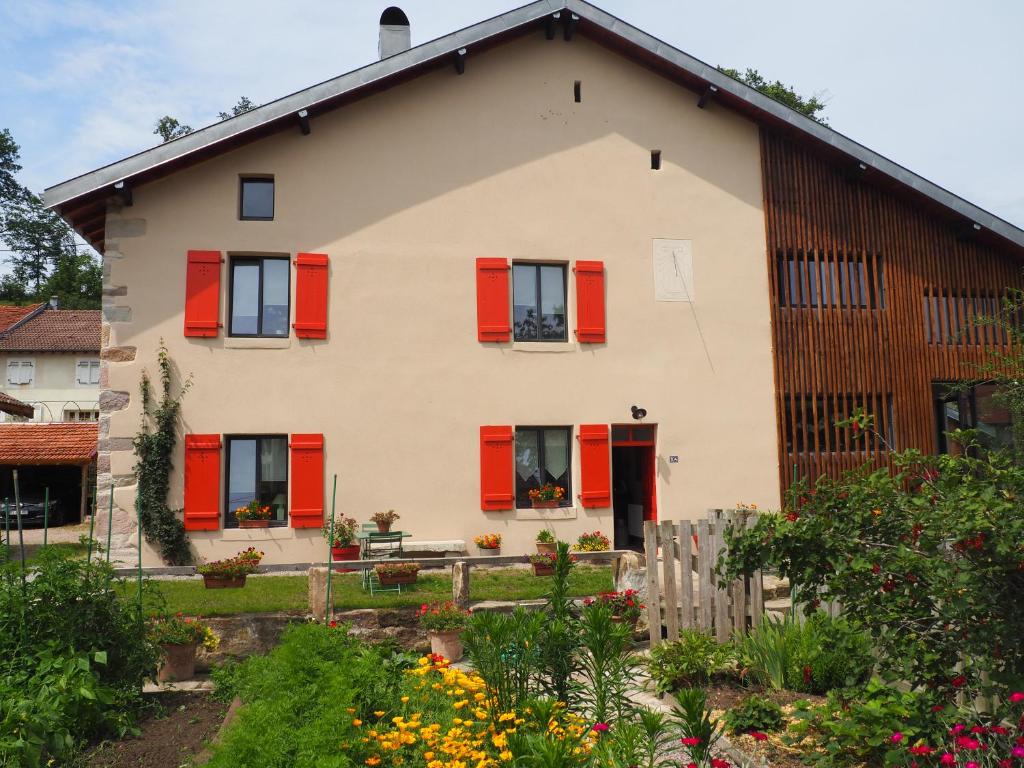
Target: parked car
[[32, 513]]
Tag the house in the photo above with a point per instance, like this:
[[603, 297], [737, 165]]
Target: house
[[547, 248]]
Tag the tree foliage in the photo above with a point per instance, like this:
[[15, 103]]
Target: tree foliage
[[169, 128], [779, 91]]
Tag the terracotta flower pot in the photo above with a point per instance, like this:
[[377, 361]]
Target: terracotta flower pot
[[546, 547], [545, 504], [543, 569], [384, 527], [395, 579], [350, 552], [179, 663], [253, 523], [447, 644], [211, 581]]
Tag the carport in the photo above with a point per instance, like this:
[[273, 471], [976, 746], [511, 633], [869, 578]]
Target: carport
[[58, 456]]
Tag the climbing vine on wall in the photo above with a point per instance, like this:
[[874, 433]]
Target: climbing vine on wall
[[154, 448]]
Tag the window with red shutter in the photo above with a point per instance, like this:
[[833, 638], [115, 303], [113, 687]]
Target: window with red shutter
[[496, 468], [492, 307], [311, 271], [307, 481], [595, 466], [202, 293], [590, 314], [202, 482]]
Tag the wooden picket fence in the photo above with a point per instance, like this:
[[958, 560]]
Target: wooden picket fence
[[709, 607]]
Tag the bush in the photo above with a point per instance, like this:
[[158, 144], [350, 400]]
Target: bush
[[815, 656], [690, 661], [754, 713]]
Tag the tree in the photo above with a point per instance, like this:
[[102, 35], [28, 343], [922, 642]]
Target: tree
[[169, 128], [243, 106], [779, 91]]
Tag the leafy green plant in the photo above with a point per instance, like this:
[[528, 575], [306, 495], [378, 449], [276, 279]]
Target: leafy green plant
[[700, 731], [545, 536], [182, 630], [244, 563], [559, 638], [154, 446], [754, 713], [605, 665], [504, 649], [691, 660], [343, 531]]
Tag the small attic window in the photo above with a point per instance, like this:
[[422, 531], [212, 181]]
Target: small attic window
[[655, 159], [256, 198]]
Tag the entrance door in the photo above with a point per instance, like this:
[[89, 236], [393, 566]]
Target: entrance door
[[633, 483]]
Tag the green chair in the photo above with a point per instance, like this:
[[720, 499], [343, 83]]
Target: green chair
[[381, 546]]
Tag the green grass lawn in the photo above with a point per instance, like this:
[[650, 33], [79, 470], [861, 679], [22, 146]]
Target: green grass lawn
[[263, 594], [71, 549]]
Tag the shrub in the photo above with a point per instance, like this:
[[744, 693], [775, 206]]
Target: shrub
[[689, 661], [754, 713]]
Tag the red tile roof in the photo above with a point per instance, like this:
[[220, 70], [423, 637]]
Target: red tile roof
[[15, 407], [10, 315], [61, 443], [55, 330]]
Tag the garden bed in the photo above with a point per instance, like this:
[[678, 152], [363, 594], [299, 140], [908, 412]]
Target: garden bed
[[180, 726]]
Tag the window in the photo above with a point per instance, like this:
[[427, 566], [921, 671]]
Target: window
[[76, 415], [542, 456], [257, 470], [87, 373], [833, 280], [20, 371], [538, 293], [260, 290], [971, 407], [256, 201], [810, 423], [951, 317]]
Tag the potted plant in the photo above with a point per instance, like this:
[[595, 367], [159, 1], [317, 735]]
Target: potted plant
[[178, 638], [391, 574], [253, 515], [384, 520], [543, 564], [625, 606], [444, 623], [342, 538], [548, 496], [230, 572], [545, 542], [488, 543], [592, 542]]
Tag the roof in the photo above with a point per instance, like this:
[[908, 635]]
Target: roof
[[82, 200], [9, 315], [15, 407], [54, 330], [60, 443]]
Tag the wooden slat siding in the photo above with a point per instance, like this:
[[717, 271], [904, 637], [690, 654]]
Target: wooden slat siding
[[818, 217], [653, 597], [668, 580], [686, 570]]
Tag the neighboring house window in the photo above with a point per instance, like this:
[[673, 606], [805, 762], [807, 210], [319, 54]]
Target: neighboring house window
[[257, 468], [810, 423], [256, 201], [971, 407], [260, 289], [77, 415], [87, 373], [20, 371], [538, 297], [543, 455], [830, 280]]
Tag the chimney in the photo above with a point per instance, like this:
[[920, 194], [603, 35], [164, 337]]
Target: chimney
[[394, 32], [54, 302]]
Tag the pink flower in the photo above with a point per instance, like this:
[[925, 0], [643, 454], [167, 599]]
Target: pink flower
[[896, 738], [758, 736], [947, 759], [600, 727], [971, 764], [1016, 697], [1017, 751], [956, 729], [966, 742], [690, 741]]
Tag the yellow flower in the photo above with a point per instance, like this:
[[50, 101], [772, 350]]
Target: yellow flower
[[357, 722], [405, 699], [372, 760], [350, 710], [378, 713], [505, 755]]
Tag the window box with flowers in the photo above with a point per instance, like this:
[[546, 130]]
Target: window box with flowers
[[444, 623], [342, 535], [230, 572], [488, 543], [253, 515], [178, 638], [548, 496], [393, 574], [385, 520], [546, 544], [544, 564]]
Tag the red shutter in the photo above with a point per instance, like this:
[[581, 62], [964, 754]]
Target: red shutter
[[202, 293], [202, 482], [492, 310], [496, 469], [307, 481], [590, 323], [311, 296], [595, 469]]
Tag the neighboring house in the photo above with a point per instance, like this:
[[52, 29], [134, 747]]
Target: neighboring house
[[50, 359], [544, 248]]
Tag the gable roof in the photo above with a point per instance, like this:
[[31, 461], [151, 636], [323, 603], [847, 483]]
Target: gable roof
[[54, 330], [10, 315], [60, 443], [81, 200], [15, 407]]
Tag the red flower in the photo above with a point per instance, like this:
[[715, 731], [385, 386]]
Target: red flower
[[938, 707], [716, 763], [792, 516], [922, 750], [691, 741], [1016, 697], [332, 624], [758, 736], [958, 681]]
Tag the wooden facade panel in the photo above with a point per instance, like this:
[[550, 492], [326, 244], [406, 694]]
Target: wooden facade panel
[[869, 294]]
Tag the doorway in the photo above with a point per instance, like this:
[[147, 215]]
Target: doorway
[[633, 483]]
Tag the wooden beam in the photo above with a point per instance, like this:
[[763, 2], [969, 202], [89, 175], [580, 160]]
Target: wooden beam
[[707, 95], [460, 61], [303, 117]]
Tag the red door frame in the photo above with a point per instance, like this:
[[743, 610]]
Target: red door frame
[[650, 466]]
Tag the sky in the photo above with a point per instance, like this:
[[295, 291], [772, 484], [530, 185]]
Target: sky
[[934, 85]]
